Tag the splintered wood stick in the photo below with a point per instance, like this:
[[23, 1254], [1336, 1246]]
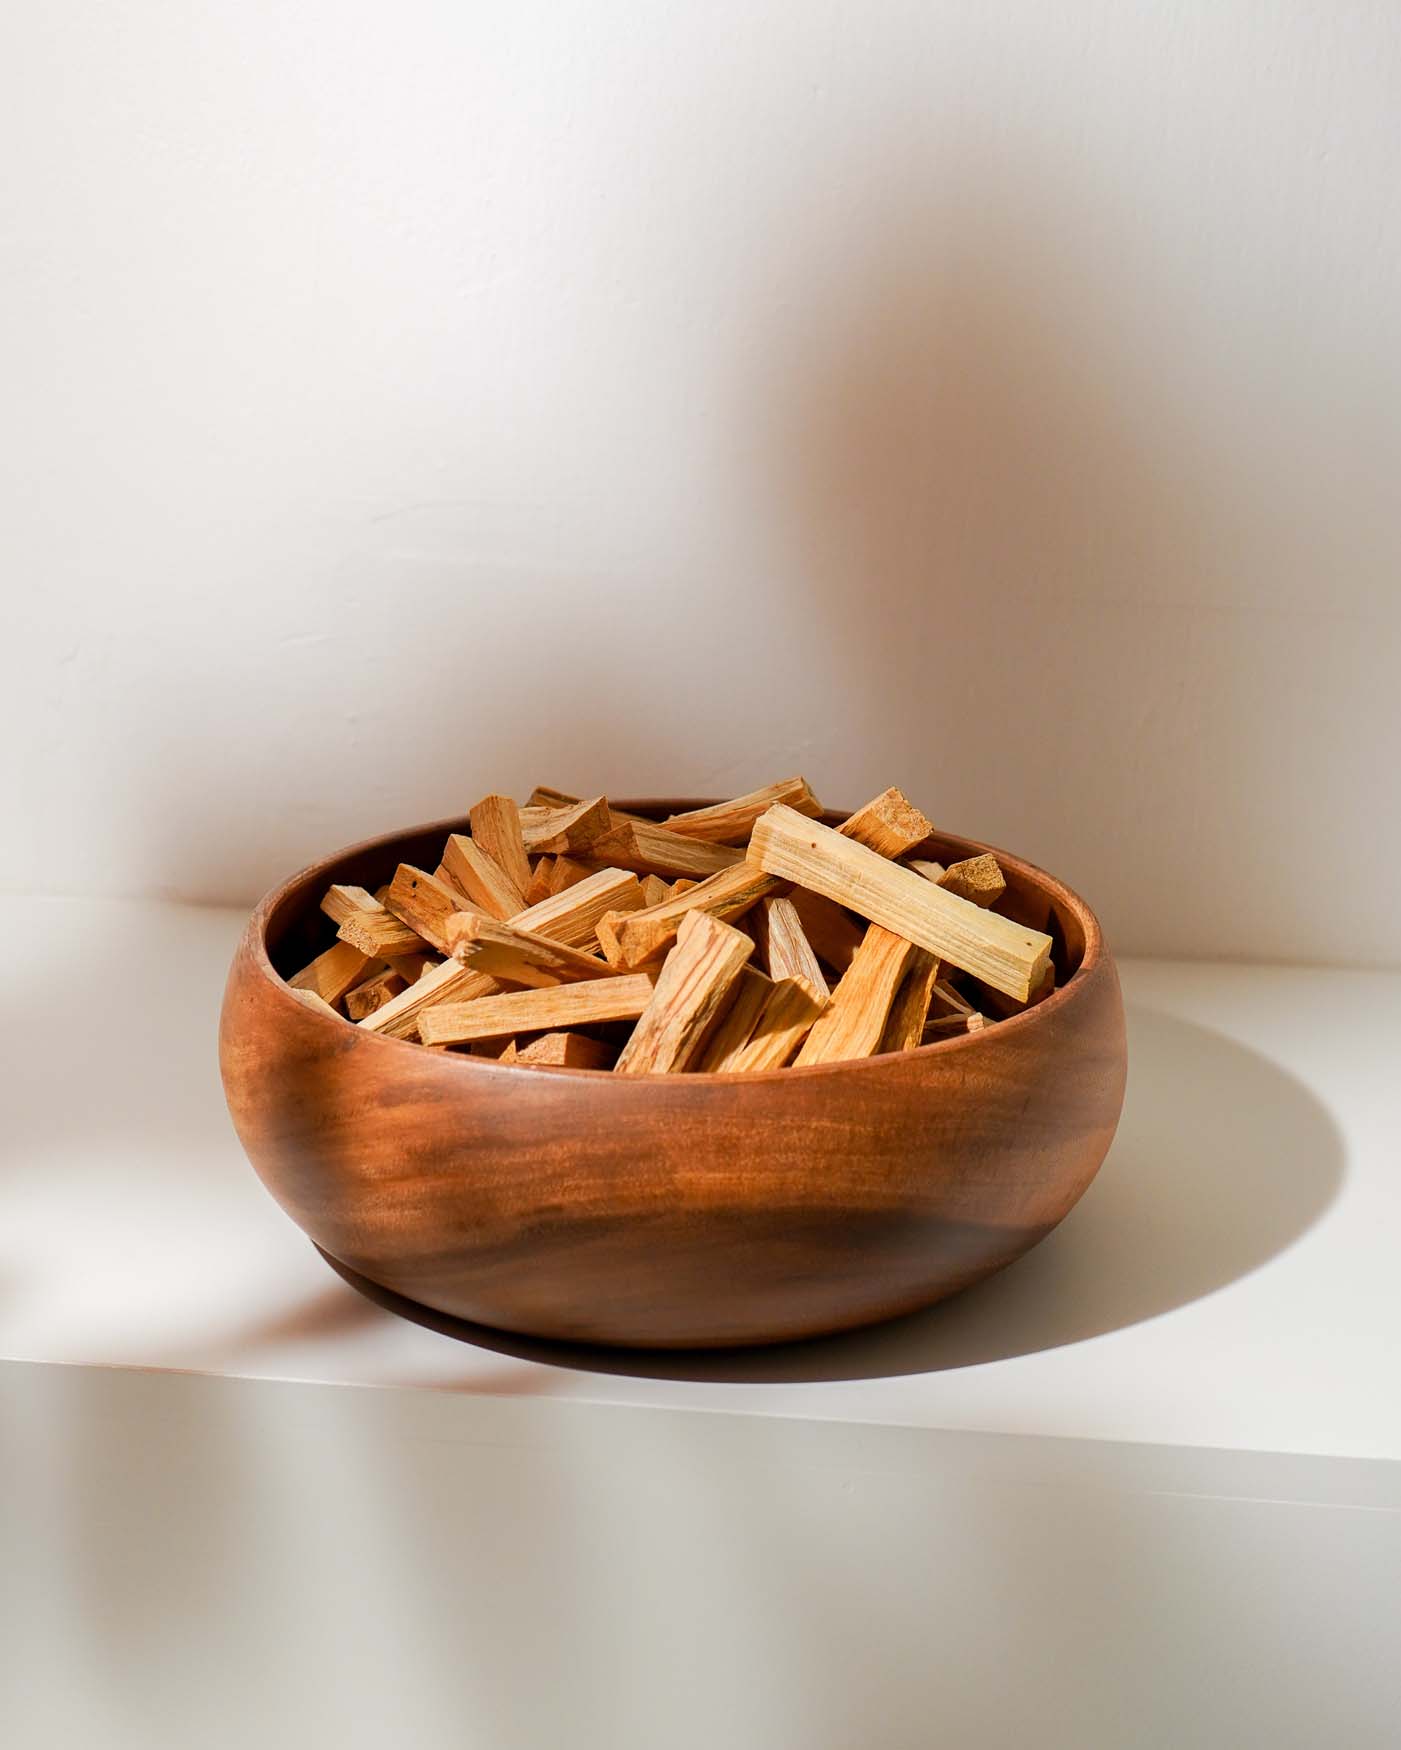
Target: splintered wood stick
[[373, 994], [783, 944], [566, 872], [904, 1027], [1003, 954], [656, 850], [644, 935], [342, 900], [448, 983], [730, 823], [655, 891], [572, 917], [376, 931], [833, 933], [424, 903], [542, 797], [572, 829], [567, 1051], [333, 973], [889, 824], [792, 1007], [534, 1011], [927, 867], [691, 989], [496, 827], [539, 887], [731, 1032], [484, 881], [977, 879], [508, 952], [853, 1023], [951, 1026], [944, 996]]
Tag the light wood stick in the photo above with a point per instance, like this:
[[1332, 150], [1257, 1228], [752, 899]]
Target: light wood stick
[[573, 828], [539, 886], [644, 935], [567, 1051], [977, 879], [377, 932], [730, 823], [542, 797], [927, 867], [448, 983], [1003, 1007], [313, 1000], [783, 944], [534, 1011], [833, 933], [573, 916], [343, 900], [424, 903], [373, 994], [889, 824], [1003, 954], [333, 973], [951, 1026], [655, 850], [566, 872], [904, 1027], [508, 952], [691, 989], [496, 827], [792, 1008], [731, 1032], [853, 1023], [484, 881], [655, 891]]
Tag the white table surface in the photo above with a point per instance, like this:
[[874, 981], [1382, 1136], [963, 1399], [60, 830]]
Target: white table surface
[[1230, 1280]]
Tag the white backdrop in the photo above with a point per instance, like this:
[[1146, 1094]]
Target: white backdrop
[[1000, 400]]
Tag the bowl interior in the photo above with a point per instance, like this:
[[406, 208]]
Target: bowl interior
[[295, 930]]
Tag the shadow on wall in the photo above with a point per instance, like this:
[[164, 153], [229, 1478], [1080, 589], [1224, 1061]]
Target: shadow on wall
[[1196, 1193]]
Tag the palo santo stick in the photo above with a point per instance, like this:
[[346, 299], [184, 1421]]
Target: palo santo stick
[[731, 1032], [496, 828], [377, 932], [642, 936], [373, 994], [333, 973], [313, 1000], [853, 1023], [1003, 954], [927, 867], [946, 997], [978, 879], [655, 850], [484, 882], [448, 983], [792, 1007], [566, 872], [573, 916], [508, 952], [904, 1027], [343, 900], [533, 1011], [730, 823], [655, 891], [542, 797], [691, 990], [783, 943], [566, 1051], [573, 828], [1004, 1007], [424, 903], [889, 824], [951, 1026], [833, 934], [539, 885]]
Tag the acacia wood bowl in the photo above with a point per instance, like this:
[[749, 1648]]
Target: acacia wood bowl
[[681, 1210]]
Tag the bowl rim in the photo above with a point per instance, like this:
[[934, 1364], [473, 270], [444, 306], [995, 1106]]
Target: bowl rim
[[255, 943]]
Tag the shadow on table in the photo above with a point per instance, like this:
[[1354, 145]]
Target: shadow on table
[[1221, 1162]]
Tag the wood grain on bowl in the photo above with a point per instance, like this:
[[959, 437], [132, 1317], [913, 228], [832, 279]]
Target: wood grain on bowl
[[681, 1210]]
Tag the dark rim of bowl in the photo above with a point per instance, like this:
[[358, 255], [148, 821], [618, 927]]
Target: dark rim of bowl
[[1066, 897]]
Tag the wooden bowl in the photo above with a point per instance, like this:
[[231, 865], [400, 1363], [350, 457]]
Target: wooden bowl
[[670, 1211]]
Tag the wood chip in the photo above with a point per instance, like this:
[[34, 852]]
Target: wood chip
[[691, 991], [853, 1023], [496, 827], [977, 879], [730, 823], [890, 825], [783, 944], [506, 951], [534, 1011], [482, 879], [1003, 954], [784, 1022], [573, 828]]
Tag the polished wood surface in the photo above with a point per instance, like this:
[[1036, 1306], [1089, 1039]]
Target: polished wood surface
[[679, 1210]]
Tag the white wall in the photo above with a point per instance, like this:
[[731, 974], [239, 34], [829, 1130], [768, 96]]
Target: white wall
[[1001, 400]]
